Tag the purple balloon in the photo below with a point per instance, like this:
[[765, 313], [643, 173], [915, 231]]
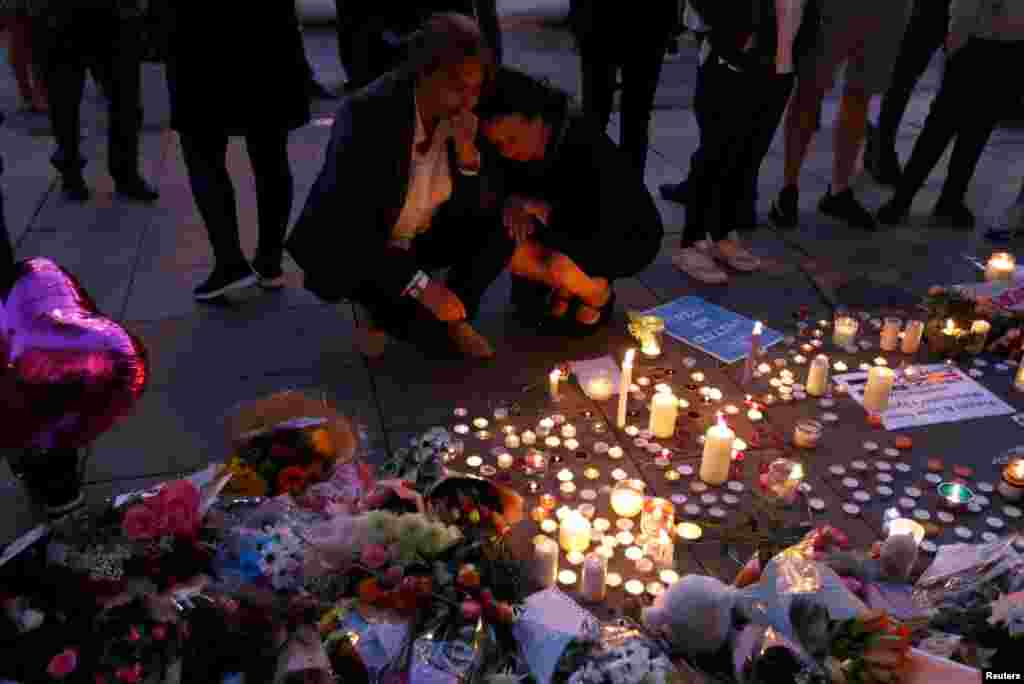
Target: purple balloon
[[68, 373]]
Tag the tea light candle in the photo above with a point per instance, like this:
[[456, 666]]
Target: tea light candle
[[568, 431], [548, 501], [697, 377], [571, 444], [717, 456], [627, 498], [600, 388], [634, 553], [912, 337], [549, 526], [664, 412], [880, 361], [715, 394], [764, 369], [568, 490], [619, 474], [595, 577], [644, 566], [554, 380], [669, 577], [574, 532], [567, 578], [955, 495], [615, 453], [840, 367], [890, 338], [979, 335], [602, 525], [879, 389], [807, 433], [480, 423], [474, 461], [806, 348], [505, 460], [1001, 266], [528, 438], [845, 331], [906, 526], [1011, 487], [511, 442], [574, 557], [624, 538], [614, 580], [754, 415], [552, 442], [817, 376], [634, 587], [565, 475], [545, 556], [1018, 380], [591, 473], [689, 531], [588, 510], [730, 410]]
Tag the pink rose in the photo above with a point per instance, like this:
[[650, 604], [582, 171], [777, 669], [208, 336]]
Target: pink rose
[[63, 664], [134, 634], [180, 503], [471, 611], [375, 556], [142, 521]]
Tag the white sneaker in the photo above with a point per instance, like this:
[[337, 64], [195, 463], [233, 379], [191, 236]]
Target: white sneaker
[[697, 263]]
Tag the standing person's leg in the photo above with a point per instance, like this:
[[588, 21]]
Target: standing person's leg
[[214, 195], [641, 71], [64, 74], [598, 71], [6, 246], [20, 56], [268, 154], [681, 192]]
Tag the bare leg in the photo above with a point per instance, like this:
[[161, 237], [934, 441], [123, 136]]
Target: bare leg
[[533, 261], [20, 56], [800, 123], [849, 134]]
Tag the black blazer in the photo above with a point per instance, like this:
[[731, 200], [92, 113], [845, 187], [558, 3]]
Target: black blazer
[[358, 196]]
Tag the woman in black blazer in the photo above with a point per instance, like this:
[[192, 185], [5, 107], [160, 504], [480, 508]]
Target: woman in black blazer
[[580, 214], [230, 79]]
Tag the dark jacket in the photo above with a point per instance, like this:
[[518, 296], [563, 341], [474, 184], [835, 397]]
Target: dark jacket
[[341, 238], [614, 24], [733, 22], [236, 67], [603, 216]]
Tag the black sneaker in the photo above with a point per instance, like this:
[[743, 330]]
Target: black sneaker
[[881, 161], [846, 208], [269, 277], [74, 188], [893, 213], [955, 214], [136, 189], [222, 281], [676, 192], [785, 211]]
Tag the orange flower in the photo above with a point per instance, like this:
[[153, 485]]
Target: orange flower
[[292, 479], [370, 591], [321, 441]]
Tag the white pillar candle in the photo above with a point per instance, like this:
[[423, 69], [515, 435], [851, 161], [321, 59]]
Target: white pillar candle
[[512, 441], [845, 331], [817, 376], [594, 579], [1000, 266], [626, 379], [574, 532], [553, 384], [664, 412], [717, 458], [627, 498], [545, 555], [890, 339], [912, 337], [879, 388], [528, 438]]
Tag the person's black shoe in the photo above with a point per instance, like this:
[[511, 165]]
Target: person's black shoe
[[881, 161], [319, 92], [74, 188], [785, 211], [955, 214], [894, 212], [269, 277], [847, 209], [676, 192], [136, 189], [224, 280], [1000, 234]]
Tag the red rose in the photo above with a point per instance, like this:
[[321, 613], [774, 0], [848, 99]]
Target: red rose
[[134, 634], [63, 664], [129, 675], [180, 503], [159, 632], [280, 452], [142, 521]]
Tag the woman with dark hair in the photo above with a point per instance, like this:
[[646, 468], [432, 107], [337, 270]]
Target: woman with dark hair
[[579, 214]]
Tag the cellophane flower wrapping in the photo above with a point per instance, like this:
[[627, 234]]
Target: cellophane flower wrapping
[[963, 573], [761, 655], [451, 651], [622, 653]]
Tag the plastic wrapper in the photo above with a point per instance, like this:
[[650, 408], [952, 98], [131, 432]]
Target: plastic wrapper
[[962, 572], [450, 654], [379, 637], [624, 654], [548, 623], [761, 655]]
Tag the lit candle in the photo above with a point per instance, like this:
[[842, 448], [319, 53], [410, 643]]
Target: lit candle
[[840, 367], [906, 526], [634, 587], [625, 380], [591, 473], [662, 387], [565, 475], [664, 412], [528, 438], [890, 338], [588, 510], [627, 498], [661, 550], [754, 415], [602, 525], [539, 514], [1012, 485], [817, 376], [505, 460], [807, 433], [634, 553], [1001, 266], [755, 349], [764, 369], [912, 337], [689, 531], [1018, 380], [658, 515], [474, 461], [615, 453], [568, 490], [879, 389], [480, 423], [669, 577], [552, 442], [574, 532], [880, 361], [574, 557], [511, 442], [697, 377], [600, 388], [549, 526], [594, 580], [717, 457], [845, 331], [979, 335], [553, 381], [568, 431], [567, 578], [545, 555], [955, 495], [548, 501]]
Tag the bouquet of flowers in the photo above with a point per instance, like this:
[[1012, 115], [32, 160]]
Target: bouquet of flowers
[[870, 648], [485, 510], [284, 443]]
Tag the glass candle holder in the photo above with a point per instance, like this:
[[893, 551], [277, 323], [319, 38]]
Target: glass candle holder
[[945, 338], [845, 331], [1011, 487], [600, 387], [535, 462], [648, 331], [977, 337], [955, 496], [781, 480], [807, 433], [1000, 267], [627, 498], [911, 341], [658, 515]]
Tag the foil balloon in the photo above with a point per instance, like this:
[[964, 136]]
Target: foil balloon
[[68, 373]]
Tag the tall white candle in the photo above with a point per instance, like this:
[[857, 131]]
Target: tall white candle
[[664, 412], [1018, 381], [545, 554], [912, 337], [594, 579], [817, 376], [574, 532], [625, 381], [890, 339], [755, 349], [553, 381], [717, 458], [879, 388]]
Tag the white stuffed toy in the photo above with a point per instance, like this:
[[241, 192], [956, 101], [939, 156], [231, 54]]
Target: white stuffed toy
[[694, 614]]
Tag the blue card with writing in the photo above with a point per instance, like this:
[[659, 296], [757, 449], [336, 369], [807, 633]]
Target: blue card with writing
[[719, 332]]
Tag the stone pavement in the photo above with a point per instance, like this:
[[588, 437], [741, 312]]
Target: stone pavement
[[140, 264]]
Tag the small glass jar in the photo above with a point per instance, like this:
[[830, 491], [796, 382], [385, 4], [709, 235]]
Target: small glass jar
[[807, 433], [627, 498], [658, 515]]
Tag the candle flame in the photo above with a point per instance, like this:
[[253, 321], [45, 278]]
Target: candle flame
[[628, 361], [797, 473], [556, 374], [663, 537], [758, 327], [721, 420], [949, 325]]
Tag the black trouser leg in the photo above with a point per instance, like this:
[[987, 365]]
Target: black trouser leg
[[641, 71], [65, 79], [598, 75], [925, 34], [118, 67], [268, 154], [214, 194], [698, 115], [773, 93], [6, 248]]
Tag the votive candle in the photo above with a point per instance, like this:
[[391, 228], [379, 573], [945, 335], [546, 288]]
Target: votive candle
[[574, 532], [595, 576], [505, 460], [664, 412], [545, 555], [817, 376], [890, 338], [912, 337], [879, 389], [717, 457]]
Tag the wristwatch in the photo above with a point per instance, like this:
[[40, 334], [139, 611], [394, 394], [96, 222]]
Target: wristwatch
[[415, 287]]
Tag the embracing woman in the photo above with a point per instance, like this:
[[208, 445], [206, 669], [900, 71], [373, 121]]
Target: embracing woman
[[580, 215]]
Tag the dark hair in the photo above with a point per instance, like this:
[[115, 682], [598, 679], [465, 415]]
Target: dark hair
[[446, 39], [515, 92]]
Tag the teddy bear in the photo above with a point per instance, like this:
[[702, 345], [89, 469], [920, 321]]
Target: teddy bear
[[694, 614]]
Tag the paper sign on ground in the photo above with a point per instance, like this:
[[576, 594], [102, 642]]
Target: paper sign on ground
[[719, 332], [939, 394]]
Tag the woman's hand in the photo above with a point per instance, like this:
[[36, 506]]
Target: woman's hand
[[520, 213], [442, 302], [464, 130]]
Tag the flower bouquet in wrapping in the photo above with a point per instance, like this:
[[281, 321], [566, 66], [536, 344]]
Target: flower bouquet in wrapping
[[484, 510], [284, 443], [871, 648]]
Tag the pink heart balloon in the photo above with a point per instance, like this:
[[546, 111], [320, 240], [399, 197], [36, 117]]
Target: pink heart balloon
[[68, 373]]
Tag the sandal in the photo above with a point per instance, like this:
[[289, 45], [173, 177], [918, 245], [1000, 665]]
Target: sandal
[[737, 257]]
